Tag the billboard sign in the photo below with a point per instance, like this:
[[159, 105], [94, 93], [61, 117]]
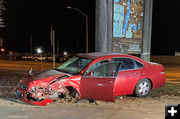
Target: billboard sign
[[128, 20]]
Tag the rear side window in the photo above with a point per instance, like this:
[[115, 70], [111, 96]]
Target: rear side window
[[126, 63]]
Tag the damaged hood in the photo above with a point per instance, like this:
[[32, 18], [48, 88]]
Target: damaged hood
[[46, 76]]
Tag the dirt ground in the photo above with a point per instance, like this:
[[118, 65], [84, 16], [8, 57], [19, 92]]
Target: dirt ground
[[126, 107]]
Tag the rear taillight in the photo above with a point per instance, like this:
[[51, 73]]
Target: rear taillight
[[162, 72]]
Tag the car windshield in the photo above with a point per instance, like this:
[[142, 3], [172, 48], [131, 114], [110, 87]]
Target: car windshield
[[74, 65]]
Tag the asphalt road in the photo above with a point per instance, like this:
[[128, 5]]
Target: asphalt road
[[172, 72], [25, 65]]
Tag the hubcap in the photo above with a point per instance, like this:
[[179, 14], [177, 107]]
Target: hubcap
[[143, 88]]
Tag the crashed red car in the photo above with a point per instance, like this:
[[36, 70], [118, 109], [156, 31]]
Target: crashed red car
[[97, 76]]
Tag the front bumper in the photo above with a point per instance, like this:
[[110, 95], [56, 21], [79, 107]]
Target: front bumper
[[22, 96]]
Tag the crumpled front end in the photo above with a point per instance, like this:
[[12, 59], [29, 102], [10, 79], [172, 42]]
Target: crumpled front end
[[44, 91], [32, 95]]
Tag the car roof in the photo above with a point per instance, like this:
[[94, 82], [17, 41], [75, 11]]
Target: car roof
[[96, 55]]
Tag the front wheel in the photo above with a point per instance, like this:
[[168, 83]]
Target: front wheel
[[143, 87], [71, 95]]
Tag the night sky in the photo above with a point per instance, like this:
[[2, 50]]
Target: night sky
[[35, 17], [165, 27]]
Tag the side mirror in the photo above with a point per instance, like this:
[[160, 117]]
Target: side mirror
[[85, 73]]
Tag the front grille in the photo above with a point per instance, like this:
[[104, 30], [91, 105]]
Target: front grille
[[21, 85]]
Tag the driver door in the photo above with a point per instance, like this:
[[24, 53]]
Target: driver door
[[98, 84]]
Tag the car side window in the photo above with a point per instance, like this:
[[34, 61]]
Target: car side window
[[139, 65], [95, 65], [105, 70], [127, 63]]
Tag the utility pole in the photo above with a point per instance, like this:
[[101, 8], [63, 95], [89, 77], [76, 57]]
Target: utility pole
[[86, 16], [87, 34], [1, 42], [54, 50], [77, 44], [31, 43], [57, 50], [53, 45]]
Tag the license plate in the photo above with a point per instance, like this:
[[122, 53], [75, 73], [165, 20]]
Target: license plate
[[18, 94]]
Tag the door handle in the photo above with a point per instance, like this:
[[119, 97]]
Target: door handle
[[100, 84], [105, 82]]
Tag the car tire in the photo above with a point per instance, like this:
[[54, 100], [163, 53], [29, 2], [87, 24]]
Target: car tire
[[142, 89], [74, 96], [71, 95]]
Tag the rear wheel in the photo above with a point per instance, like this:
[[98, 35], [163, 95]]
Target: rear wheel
[[143, 87]]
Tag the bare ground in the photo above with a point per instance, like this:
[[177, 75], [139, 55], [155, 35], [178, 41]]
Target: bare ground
[[126, 107]]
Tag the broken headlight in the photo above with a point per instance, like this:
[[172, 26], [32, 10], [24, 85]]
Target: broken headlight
[[21, 85], [33, 89]]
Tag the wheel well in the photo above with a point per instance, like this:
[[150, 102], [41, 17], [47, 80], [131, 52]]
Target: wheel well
[[72, 90], [150, 82]]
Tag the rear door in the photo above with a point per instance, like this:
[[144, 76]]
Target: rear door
[[129, 74], [98, 84]]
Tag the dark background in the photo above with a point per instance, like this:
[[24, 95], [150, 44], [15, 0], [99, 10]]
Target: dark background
[[165, 27], [35, 17]]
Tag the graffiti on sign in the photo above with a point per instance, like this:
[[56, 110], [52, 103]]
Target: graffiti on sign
[[128, 23], [128, 18]]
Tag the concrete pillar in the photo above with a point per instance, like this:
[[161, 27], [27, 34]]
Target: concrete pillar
[[146, 43], [103, 29]]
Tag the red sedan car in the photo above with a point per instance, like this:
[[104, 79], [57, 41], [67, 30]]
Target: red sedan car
[[97, 76]]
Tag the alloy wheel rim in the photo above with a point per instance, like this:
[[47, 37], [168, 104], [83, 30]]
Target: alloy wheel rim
[[143, 88]]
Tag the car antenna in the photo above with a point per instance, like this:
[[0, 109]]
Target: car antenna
[[30, 72]]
